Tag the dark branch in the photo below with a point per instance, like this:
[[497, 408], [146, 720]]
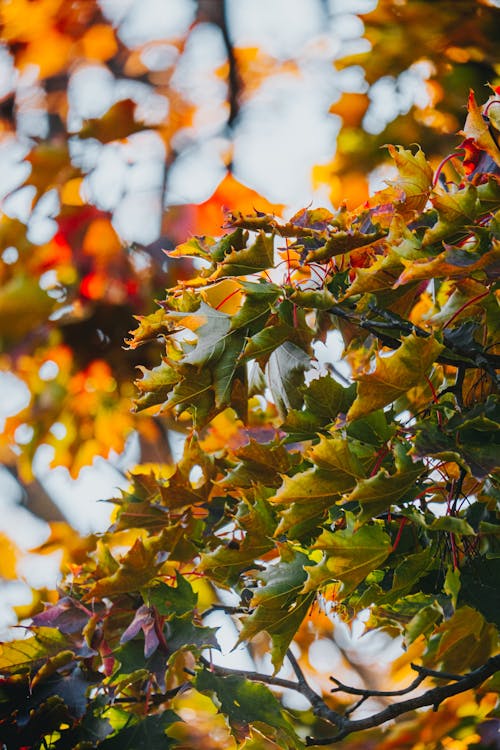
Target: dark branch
[[432, 697], [250, 675], [345, 725], [215, 11], [318, 704], [228, 609], [367, 693], [156, 698], [36, 499]]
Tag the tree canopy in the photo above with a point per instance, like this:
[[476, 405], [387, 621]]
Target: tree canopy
[[333, 373]]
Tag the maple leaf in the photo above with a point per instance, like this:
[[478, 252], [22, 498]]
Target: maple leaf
[[476, 130], [349, 555], [394, 375], [279, 605]]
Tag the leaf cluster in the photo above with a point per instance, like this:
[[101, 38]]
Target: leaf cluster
[[296, 486]]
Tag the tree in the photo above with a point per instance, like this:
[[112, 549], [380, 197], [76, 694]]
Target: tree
[[297, 492], [303, 496]]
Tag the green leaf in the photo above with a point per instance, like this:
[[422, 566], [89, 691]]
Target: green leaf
[[378, 493], [151, 327], [341, 242], [172, 601], [225, 564], [194, 393], [422, 623], [230, 243], [321, 299], [248, 260], [301, 518], [136, 514], [19, 656], [284, 374], [266, 341], [179, 634], [139, 732], [464, 641], [156, 385], [301, 425], [409, 570], [137, 567], [452, 584], [312, 485], [349, 555], [402, 241], [305, 496], [218, 346], [326, 398], [455, 210], [452, 524], [259, 463], [245, 702], [280, 606], [414, 177], [479, 587], [394, 375], [374, 429], [259, 299]]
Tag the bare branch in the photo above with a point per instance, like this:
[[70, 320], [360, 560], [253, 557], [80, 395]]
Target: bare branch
[[367, 693], [250, 675], [345, 725], [432, 697], [215, 11], [318, 704]]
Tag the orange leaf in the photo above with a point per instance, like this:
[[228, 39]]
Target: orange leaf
[[230, 195], [99, 42], [101, 240], [351, 108]]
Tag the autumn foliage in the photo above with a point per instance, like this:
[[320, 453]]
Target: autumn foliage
[[334, 376]]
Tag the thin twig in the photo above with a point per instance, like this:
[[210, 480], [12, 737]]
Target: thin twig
[[367, 693], [226, 608], [249, 675]]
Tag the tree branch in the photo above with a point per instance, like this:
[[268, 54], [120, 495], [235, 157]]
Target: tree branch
[[432, 697], [215, 11], [269, 679], [345, 725], [35, 498], [319, 706]]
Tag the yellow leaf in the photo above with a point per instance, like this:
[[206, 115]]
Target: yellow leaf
[[99, 42], [24, 20], [394, 375], [70, 192], [101, 240], [351, 108], [224, 296], [8, 558], [50, 52]]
